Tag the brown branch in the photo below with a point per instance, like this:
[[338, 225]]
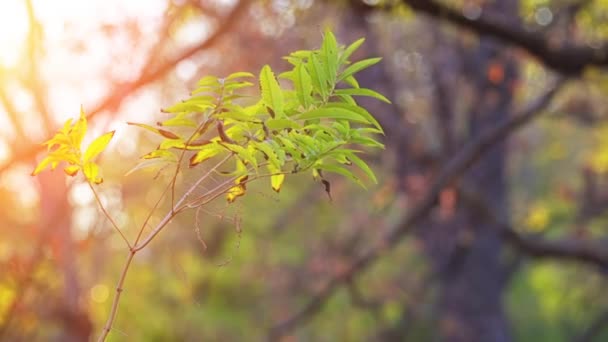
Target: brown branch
[[594, 329], [533, 246], [568, 60], [455, 168], [113, 100], [573, 250]]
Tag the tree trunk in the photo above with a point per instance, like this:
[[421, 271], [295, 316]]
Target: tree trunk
[[466, 251]]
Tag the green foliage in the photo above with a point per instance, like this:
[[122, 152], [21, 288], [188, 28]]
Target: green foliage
[[307, 124]]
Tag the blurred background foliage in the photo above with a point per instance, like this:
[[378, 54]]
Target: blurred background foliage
[[513, 249]]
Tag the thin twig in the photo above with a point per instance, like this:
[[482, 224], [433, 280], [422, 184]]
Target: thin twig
[[119, 288], [107, 214], [150, 213], [133, 250], [176, 208]]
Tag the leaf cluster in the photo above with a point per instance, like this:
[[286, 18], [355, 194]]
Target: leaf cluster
[[306, 119], [65, 147]]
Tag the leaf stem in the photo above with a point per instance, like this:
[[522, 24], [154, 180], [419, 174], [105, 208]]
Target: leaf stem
[[138, 247], [119, 288], [105, 212]]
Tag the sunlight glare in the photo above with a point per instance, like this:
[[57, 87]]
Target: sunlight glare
[[13, 32]]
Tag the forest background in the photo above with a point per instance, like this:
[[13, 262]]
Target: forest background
[[487, 223]]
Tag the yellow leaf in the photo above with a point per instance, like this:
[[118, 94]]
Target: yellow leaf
[[238, 190], [42, 165], [235, 192], [97, 146], [538, 218], [276, 182], [71, 170], [59, 139], [79, 129], [203, 155], [91, 171]]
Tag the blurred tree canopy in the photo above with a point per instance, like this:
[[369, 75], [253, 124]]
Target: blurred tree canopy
[[487, 223]]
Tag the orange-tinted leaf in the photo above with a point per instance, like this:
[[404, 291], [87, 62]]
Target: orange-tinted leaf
[[168, 134], [161, 132]]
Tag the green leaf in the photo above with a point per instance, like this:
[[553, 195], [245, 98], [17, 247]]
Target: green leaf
[[367, 141], [319, 78], [97, 146], [238, 75], [301, 54], [278, 124], [237, 115], [268, 151], [362, 165], [242, 152], [193, 104], [359, 110], [341, 171], [178, 121], [352, 81], [329, 49], [303, 85], [237, 85], [350, 50], [271, 92], [358, 66], [362, 92], [347, 99], [333, 113], [208, 81]]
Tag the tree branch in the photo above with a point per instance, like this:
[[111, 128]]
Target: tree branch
[[594, 329], [113, 100], [572, 250], [455, 168], [569, 60]]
